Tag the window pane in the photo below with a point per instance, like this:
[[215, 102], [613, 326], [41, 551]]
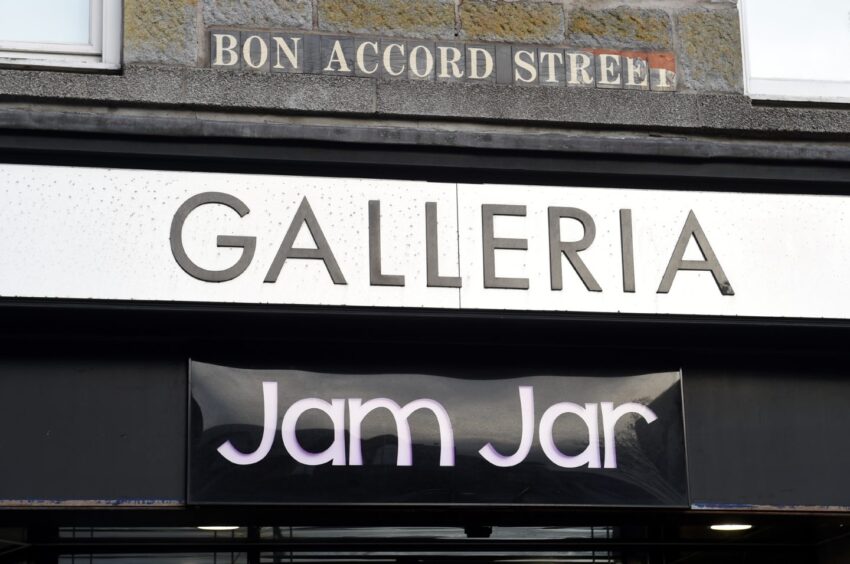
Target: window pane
[[790, 39], [45, 21]]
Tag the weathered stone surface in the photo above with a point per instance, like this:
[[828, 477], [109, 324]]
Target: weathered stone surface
[[710, 54], [162, 88], [554, 105], [259, 13], [521, 21], [397, 18], [620, 28], [161, 31], [213, 89]]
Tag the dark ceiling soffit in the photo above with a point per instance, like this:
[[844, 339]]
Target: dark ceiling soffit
[[426, 162], [34, 324], [623, 141], [383, 151], [10, 306]]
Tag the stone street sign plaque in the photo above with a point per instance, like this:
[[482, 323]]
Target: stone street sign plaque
[[441, 61]]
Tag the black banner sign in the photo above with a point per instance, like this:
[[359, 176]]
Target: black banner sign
[[290, 436]]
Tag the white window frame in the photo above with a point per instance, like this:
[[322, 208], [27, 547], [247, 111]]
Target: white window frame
[[791, 90], [102, 52]]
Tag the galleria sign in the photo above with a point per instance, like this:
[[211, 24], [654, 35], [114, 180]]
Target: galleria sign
[[169, 236], [304, 217]]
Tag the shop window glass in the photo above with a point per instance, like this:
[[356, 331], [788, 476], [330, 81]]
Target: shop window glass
[[796, 50], [79, 34]]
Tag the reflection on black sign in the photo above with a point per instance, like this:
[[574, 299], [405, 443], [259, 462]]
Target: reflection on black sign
[[289, 436]]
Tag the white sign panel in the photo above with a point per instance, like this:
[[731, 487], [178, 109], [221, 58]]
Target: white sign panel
[[86, 233]]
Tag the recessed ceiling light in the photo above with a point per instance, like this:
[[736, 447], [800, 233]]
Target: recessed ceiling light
[[219, 527], [731, 527]]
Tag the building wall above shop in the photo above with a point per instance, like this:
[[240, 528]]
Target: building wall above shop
[[704, 33], [167, 69]]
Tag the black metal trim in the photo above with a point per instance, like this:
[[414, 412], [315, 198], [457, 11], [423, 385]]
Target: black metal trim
[[624, 166]]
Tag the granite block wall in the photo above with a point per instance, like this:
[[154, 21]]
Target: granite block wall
[[704, 34]]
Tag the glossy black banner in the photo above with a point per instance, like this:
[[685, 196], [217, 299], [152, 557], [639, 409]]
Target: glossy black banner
[[261, 436]]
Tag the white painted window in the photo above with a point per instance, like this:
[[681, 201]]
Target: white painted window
[[79, 34], [796, 50]]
